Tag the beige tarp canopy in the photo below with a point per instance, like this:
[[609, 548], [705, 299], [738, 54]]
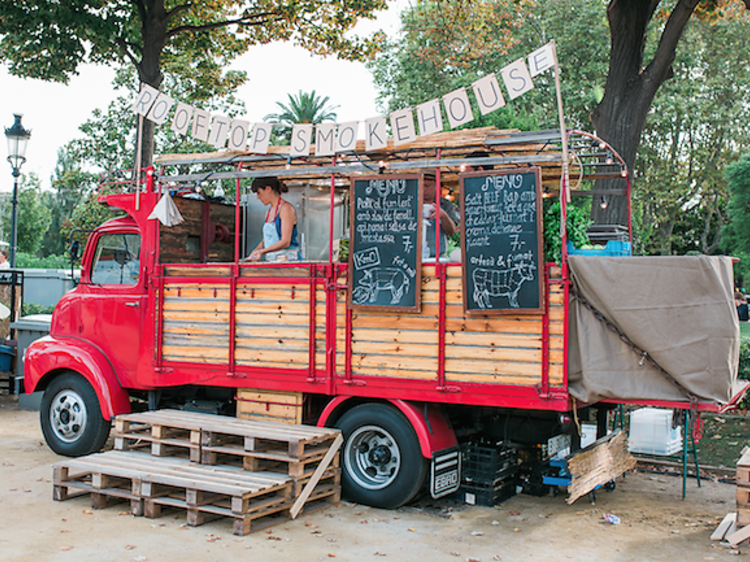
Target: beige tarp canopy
[[679, 309]]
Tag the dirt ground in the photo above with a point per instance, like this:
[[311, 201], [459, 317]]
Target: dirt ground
[[656, 524]]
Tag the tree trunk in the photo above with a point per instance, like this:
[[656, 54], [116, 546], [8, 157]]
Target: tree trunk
[[620, 117], [154, 30]]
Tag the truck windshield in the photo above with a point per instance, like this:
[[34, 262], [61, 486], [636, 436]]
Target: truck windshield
[[116, 260]]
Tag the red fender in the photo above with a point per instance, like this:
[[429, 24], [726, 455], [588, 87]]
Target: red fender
[[51, 354], [430, 424]]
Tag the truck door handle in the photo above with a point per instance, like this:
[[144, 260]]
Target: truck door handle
[[132, 304]]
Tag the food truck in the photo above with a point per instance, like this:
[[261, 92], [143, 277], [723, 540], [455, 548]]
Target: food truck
[[408, 355]]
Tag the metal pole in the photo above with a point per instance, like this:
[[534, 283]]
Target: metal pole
[[13, 218]]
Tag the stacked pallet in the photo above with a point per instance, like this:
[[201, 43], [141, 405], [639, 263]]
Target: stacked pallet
[[735, 527], [211, 466]]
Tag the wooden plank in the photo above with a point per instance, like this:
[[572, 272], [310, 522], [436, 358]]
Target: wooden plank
[[286, 344], [198, 317], [310, 486], [738, 536], [244, 356], [723, 527], [201, 271]]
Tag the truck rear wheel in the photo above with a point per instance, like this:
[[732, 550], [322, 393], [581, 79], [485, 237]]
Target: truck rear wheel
[[72, 422], [383, 464]]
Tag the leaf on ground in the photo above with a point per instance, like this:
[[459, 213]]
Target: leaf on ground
[[514, 512], [477, 534], [68, 547], [88, 512], [129, 546]]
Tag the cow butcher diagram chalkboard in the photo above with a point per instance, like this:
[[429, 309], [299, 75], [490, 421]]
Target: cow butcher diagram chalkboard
[[501, 241], [386, 242]]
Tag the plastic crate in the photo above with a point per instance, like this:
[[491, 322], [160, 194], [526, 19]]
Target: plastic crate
[[487, 494], [651, 432], [613, 248], [484, 464]]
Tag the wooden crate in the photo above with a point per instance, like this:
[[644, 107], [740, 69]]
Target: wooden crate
[[264, 405]]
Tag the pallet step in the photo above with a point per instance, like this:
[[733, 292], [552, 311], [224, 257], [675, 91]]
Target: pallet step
[[151, 483], [205, 436]]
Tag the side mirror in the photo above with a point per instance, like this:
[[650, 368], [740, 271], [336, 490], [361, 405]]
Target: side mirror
[[74, 249]]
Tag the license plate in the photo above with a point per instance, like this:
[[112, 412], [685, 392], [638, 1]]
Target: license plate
[[445, 472]]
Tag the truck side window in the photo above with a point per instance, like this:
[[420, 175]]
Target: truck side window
[[116, 260]]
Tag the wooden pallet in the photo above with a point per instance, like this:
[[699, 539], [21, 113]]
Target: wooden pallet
[[252, 444], [252, 499], [743, 490], [162, 435]]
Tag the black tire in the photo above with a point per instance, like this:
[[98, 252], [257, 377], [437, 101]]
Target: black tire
[[382, 462], [72, 421]]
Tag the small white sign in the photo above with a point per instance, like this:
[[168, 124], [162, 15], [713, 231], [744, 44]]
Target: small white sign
[[517, 79], [300, 144], [457, 108], [488, 94], [402, 126]]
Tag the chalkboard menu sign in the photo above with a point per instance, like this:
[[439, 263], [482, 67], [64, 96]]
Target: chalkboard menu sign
[[385, 242], [501, 241]]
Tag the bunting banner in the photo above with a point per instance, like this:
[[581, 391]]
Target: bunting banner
[[329, 138]]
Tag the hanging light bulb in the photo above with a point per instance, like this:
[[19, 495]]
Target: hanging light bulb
[[609, 158], [604, 203]]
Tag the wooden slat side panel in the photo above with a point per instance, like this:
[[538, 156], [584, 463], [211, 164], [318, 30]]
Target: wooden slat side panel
[[196, 323]]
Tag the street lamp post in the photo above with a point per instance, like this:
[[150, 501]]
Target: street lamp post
[[17, 138]]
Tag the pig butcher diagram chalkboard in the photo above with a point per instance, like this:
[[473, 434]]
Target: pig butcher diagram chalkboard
[[386, 243], [501, 242]]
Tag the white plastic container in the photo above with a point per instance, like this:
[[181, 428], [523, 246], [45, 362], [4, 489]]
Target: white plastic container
[[651, 432]]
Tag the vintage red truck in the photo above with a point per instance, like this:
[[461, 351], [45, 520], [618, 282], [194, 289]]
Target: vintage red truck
[[170, 317]]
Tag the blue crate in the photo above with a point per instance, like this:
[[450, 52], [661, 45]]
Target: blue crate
[[7, 353], [613, 248]]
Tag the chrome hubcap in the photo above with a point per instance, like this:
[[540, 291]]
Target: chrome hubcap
[[68, 416], [372, 458]]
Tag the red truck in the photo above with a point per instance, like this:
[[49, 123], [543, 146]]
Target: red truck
[[168, 316]]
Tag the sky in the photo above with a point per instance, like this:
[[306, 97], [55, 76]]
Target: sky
[[53, 112]]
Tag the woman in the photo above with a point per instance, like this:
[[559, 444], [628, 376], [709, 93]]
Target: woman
[[280, 229]]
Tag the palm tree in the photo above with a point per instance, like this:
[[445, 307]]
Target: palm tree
[[302, 108]]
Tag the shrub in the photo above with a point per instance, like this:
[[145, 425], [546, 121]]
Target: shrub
[[744, 370]]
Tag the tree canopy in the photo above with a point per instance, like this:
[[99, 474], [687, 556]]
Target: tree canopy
[[50, 40], [635, 74]]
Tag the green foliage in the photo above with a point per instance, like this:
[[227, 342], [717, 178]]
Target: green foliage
[[698, 123], [305, 107], [744, 369], [33, 217], [449, 44], [87, 215], [193, 42], [50, 40], [33, 308], [30, 261], [577, 227], [70, 184], [736, 235]]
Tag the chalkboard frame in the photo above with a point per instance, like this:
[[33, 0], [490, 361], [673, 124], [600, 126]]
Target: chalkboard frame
[[417, 305], [539, 257]]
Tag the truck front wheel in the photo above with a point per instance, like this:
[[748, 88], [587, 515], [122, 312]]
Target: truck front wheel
[[383, 464], [72, 422]]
